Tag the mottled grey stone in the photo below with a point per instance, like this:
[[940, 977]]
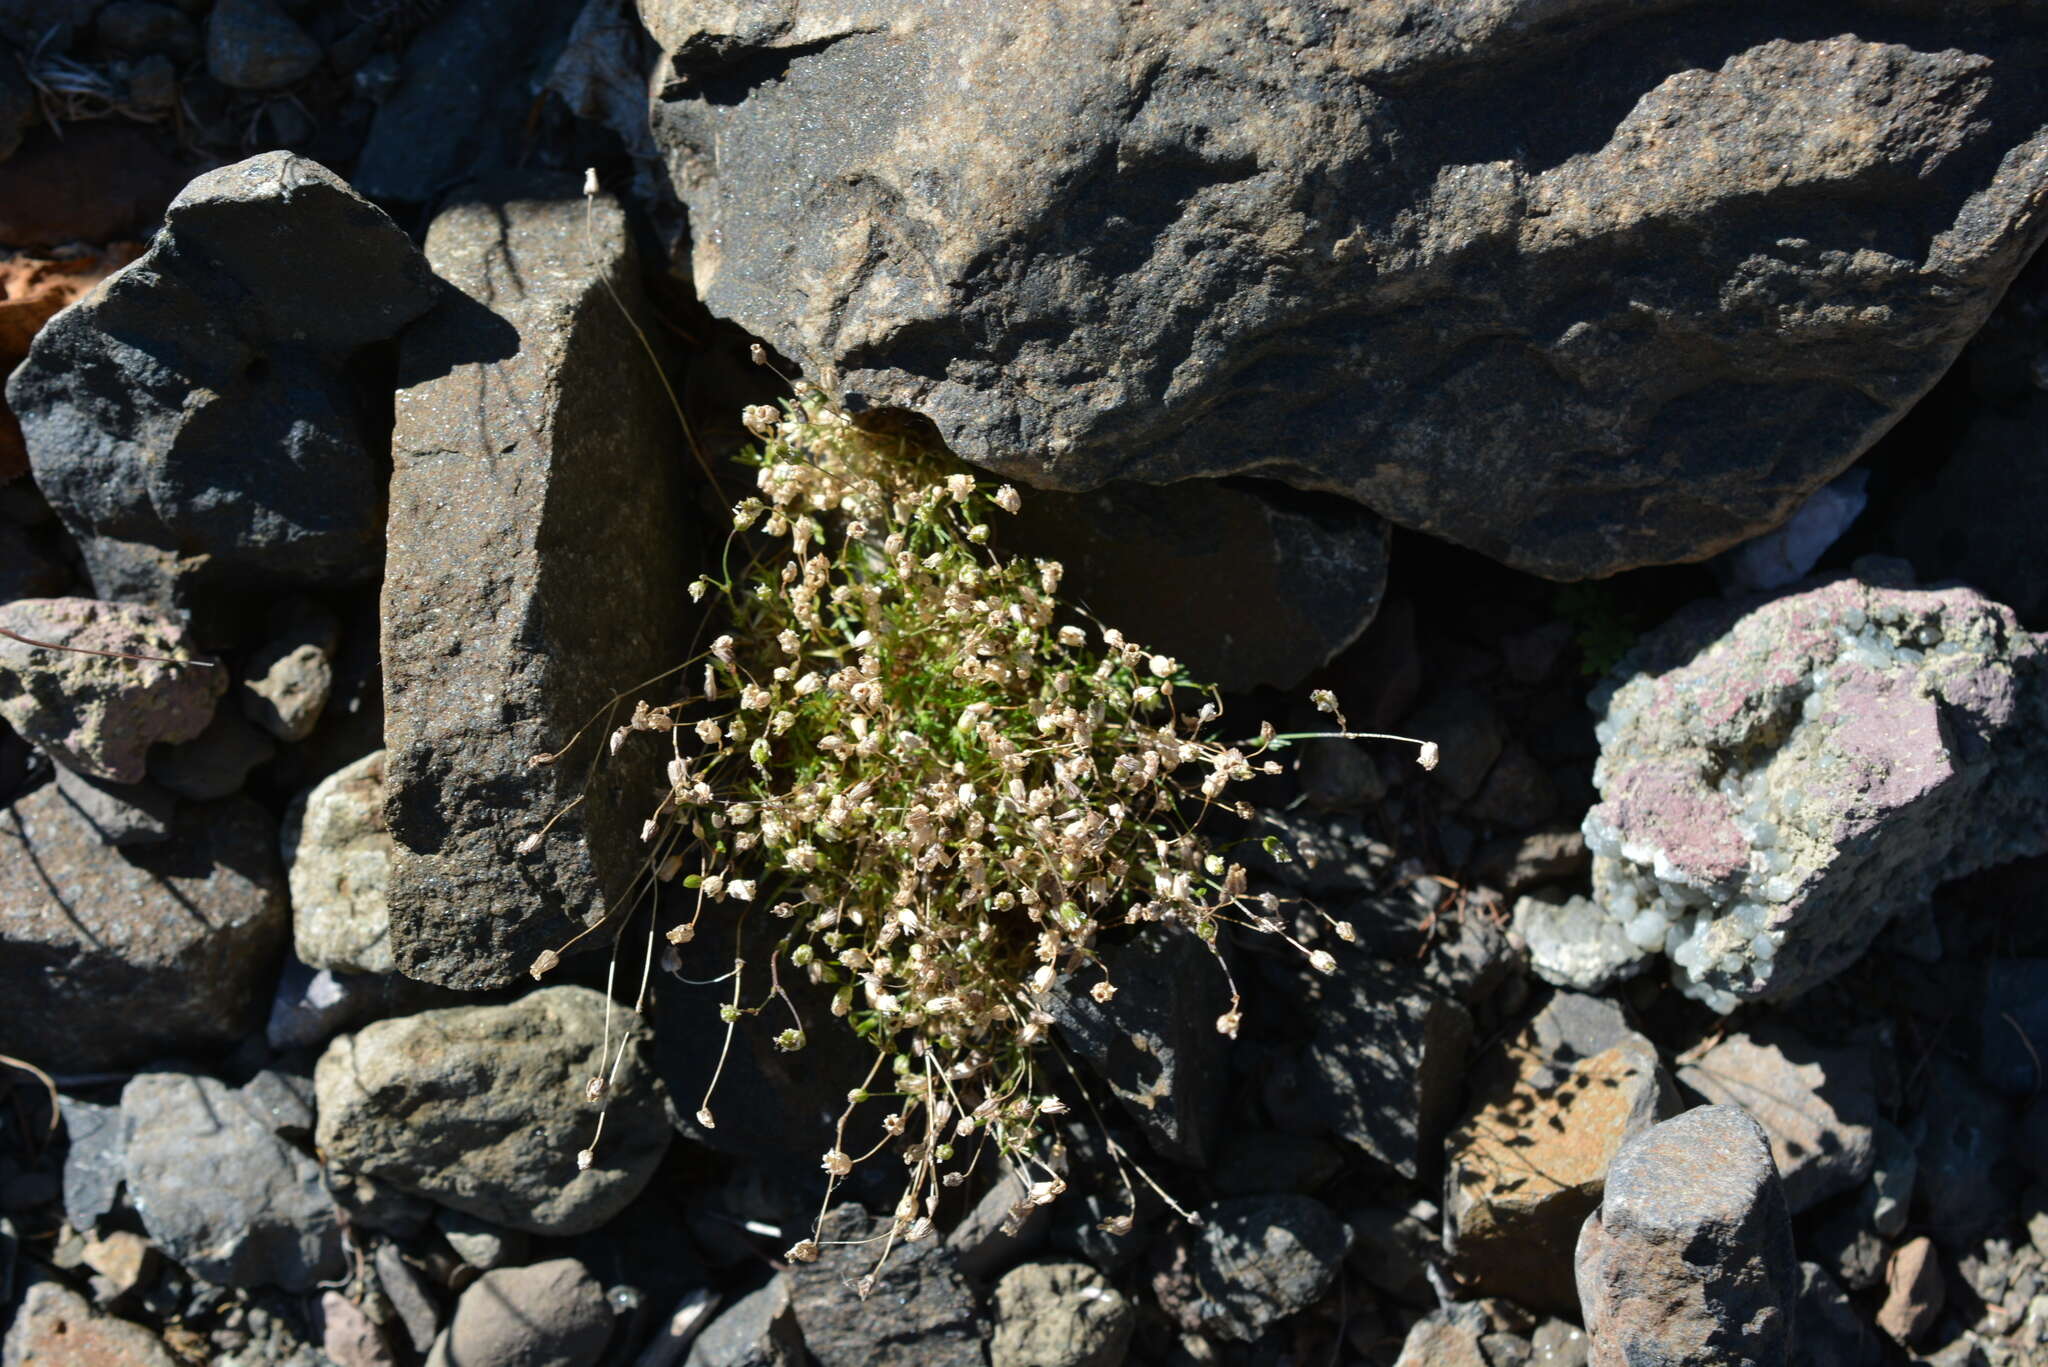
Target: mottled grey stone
[[90, 713], [1689, 1258], [55, 1324], [95, 1156], [539, 552], [254, 45], [220, 1191], [757, 1330], [482, 1109], [1575, 944], [197, 419], [1779, 778], [110, 956], [1376, 251]]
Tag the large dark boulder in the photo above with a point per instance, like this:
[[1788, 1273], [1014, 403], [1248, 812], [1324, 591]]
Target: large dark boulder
[[1583, 286]]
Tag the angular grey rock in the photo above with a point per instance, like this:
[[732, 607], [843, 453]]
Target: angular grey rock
[[220, 1191], [1387, 1063], [91, 713], [482, 1109], [1963, 1142], [122, 813], [194, 420], [1575, 944], [1689, 1258], [1155, 1044], [1059, 1315], [1551, 1108], [1243, 586], [216, 762], [551, 1314], [1392, 1248], [979, 1243], [286, 683], [531, 419], [95, 1157], [1779, 779], [1891, 1178], [1180, 240], [478, 1242], [1254, 1261], [757, 1330], [337, 854], [112, 956], [1832, 1331], [254, 45], [920, 1313], [56, 1325], [1818, 1105]]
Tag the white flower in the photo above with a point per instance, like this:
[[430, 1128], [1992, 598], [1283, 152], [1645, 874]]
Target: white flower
[[1427, 759], [1322, 961], [837, 1163], [1008, 499], [788, 641], [741, 888], [1073, 636]]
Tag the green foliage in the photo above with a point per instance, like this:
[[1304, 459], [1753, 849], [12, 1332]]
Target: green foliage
[[1603, 627], [943, 785]]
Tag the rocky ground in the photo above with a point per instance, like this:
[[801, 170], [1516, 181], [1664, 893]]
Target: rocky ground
[[1700, 1003]]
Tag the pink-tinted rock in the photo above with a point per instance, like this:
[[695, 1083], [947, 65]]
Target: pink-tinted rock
[[1780, 776], [91, 713]]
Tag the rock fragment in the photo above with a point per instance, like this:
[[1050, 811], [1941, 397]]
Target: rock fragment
[[1780, 778], [287, 681], [1575, 944], [757, 1330], [538, 470], [254, 45], [337, 853], [1387, 1064], [57, 1325], [1553, 1107], [197, 420], [112, 956], [122, 813], [1059, 1315], [920, 1312], [482, 1109], [1689, 1257], [1817, 1104], [1913, 1291], [220, 1191], [1254, 1261], [90, 713], [1320, 250], [551, 1314]]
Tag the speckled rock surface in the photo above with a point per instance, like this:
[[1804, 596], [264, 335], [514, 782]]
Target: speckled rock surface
[[111, 956], [481, 1109], [539, 472], [1818, 1105], [1689, 1258], [1779, 778], [337, 855], [90, 713], [1376, 251], [194, 420], [57, 1325], [1253, 1261]]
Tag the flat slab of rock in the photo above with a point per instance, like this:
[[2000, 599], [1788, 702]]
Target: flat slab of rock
[[482, 1109], [92, 714], [194, 418], [1689, 1258], [1320, 245], [112, 956], [1780, 778], [1254, 1261], [1529, 1164], [539, 552], [220, 1190]]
